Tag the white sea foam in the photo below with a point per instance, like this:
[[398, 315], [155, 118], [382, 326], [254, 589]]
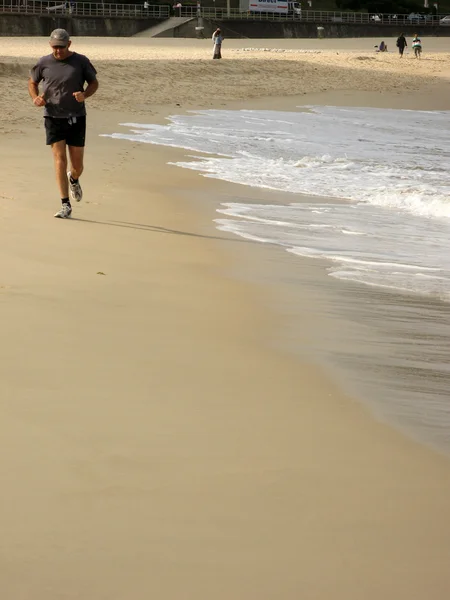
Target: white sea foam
[[391, 168], [390, 249]]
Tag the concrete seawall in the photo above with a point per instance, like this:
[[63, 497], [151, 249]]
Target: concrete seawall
[[289, 29], [24, 25], [21, 25]]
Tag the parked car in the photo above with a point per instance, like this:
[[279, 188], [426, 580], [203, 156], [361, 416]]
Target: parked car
[[445, 20], [415, 18]]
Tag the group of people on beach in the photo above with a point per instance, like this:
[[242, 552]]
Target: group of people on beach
[[217, 39], [402, 44], [416, 45]]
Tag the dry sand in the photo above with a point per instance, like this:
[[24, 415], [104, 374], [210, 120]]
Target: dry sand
[[155, 444], [141, 75]]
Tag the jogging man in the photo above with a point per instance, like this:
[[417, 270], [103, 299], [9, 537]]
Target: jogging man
[[63, 74]]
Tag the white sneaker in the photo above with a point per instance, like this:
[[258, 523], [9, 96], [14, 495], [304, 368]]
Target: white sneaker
[[65, 212], [75, 191]]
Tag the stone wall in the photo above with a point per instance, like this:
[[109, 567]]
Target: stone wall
[[293, 29], [21, 25]]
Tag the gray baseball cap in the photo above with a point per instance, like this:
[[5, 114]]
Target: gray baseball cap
[[59, 37]]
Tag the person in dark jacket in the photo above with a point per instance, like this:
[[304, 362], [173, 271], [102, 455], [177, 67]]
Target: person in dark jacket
[[401, 44]]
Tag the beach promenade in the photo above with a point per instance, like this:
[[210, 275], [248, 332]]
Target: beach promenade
[[158, 442]]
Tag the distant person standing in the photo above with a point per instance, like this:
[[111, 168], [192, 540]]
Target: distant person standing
[[401, 44], [417, 46], [217, 39], [63, 75]]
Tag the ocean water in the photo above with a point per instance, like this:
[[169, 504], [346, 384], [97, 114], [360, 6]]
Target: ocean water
[[369, 199], [388, 172]]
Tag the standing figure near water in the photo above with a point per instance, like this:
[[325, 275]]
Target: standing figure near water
[[417, 46], [401, 44], [217, 39]]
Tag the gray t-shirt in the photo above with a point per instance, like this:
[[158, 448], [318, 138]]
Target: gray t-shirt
[[61, 78]]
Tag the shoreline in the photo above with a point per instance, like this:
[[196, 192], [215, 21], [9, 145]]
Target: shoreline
[[359, 323], [152, 419]]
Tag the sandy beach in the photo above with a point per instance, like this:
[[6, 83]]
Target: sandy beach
[[157, 441], [155, 76]]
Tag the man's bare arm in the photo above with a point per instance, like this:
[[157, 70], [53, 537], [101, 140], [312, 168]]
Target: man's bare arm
[[89, 91], [33, 90], [91, 88]]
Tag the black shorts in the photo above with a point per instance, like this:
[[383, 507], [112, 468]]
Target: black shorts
[[74, 134]]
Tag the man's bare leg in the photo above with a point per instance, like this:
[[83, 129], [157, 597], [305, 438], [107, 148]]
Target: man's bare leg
[[60, 160], [76, 161], [76, 154]]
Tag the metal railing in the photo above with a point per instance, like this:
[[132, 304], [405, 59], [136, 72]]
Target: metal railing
[[83, 9], [142, 10], [311, 16]]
